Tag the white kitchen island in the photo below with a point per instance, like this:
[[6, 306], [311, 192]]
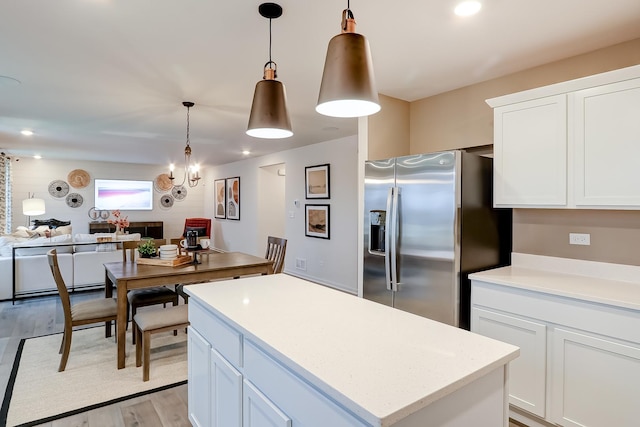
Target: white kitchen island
[[281, 351]]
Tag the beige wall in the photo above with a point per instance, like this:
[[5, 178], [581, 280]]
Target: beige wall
[[462, 119], [388, 130], [615, 235]]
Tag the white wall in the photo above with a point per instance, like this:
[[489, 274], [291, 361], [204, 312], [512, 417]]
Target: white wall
[[332, 262], [30, 175]]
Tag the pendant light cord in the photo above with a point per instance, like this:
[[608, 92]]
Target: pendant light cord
[[270, 62]]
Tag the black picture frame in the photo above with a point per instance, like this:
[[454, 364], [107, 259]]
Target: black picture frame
[[317, 221], [233, 198], [220, 198], [317, 182]]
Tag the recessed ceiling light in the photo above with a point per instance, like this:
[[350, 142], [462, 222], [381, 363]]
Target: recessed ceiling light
[[37, 156], [246, 152], [26, 132], [468, 8]]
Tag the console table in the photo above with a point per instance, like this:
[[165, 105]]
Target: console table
[[153, 229]]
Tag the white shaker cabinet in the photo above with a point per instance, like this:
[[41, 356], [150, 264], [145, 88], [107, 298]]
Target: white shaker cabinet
[[198, 382], [579, 361], [530, 153], [527, 373], [214, 386], [606, 137], [573, 144], [595, 381]]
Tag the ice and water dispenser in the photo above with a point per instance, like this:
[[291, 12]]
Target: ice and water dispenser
[[377, 221]]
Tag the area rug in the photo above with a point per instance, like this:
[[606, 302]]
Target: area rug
[[38, 393]]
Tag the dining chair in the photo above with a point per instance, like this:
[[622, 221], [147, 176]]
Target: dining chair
[[276, 249], [137, 298], [201, 225], [81, 313], [151, 322]]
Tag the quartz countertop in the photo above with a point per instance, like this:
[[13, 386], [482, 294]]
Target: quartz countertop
[[612, 284], [380, 362]]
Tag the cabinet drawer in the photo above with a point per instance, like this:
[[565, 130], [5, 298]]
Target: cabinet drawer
[[305, 405], [219, 334], [616, 322]]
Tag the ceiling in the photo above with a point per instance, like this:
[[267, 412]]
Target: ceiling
[[105, 79]]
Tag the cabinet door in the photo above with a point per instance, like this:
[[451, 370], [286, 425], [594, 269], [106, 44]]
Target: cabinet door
[[259, 411], [527, 373], [226, 393], [530, 153], [607, 145], [198, 384], [594, 382]]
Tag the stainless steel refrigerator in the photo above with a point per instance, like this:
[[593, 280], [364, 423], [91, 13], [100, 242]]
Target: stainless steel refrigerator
[[429, 223]]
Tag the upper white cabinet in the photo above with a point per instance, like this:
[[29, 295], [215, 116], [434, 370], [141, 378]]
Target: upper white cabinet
[[606, 141], [570, 145], [530, 153]]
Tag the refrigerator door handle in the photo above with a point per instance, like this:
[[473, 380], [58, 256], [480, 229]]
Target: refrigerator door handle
[[388, 253], [394, 240]]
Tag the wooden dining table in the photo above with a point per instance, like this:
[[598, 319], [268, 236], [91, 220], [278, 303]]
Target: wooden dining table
[[125, 276]]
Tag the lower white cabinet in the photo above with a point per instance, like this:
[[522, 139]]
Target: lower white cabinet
[[527, 379], [579, 362], [226, 392], [198, 381], [594, 381], [259, 411]]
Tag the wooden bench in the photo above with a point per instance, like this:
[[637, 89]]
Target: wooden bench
[[152, 321]]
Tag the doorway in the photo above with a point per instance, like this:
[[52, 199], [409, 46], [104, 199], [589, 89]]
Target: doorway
[[271, 204]]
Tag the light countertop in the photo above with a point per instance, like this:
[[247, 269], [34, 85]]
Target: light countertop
[[604, 283], [382, 363]]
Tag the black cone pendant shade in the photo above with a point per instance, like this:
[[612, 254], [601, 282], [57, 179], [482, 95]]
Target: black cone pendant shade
[[348, 86], [269, 116]]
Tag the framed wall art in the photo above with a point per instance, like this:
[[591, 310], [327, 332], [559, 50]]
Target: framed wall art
[[316, 223], [316, 181], [220, 198], [233, 198]]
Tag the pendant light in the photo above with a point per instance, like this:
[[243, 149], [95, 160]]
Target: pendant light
[[269, 116], [191, 171], [348, 86]]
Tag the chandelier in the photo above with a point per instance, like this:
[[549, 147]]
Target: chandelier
[[191, 171]]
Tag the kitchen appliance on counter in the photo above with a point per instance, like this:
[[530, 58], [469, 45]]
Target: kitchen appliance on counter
[[429, 223]]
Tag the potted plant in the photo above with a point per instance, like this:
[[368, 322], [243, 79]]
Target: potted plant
[[147, 249]]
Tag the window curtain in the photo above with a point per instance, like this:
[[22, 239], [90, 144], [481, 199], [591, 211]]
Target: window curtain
[[5, 194]]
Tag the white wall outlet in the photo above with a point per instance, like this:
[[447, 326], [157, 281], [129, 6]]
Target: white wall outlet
[[301, 264], [579, 239], [292, 214]]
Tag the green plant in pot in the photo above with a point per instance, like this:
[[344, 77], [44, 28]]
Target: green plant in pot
[[147, 249]]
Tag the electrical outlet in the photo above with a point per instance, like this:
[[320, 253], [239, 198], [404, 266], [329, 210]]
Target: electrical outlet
[[301, 264], [579, 239]]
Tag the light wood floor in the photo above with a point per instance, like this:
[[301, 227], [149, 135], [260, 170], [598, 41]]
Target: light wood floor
[[42, 316]]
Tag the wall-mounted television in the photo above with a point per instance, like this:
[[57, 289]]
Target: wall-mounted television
[[126, 195]]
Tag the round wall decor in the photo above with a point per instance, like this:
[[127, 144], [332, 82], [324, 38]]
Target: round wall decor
[[166, 200], [78, 178], [162, 183], [179, 192], [58, 188], [74, 200]]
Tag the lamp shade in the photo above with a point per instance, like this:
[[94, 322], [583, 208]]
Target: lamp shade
[[348, 86], [269, 116], [33, 207]]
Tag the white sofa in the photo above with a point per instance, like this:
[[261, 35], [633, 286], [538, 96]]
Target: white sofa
[[80, 262]]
